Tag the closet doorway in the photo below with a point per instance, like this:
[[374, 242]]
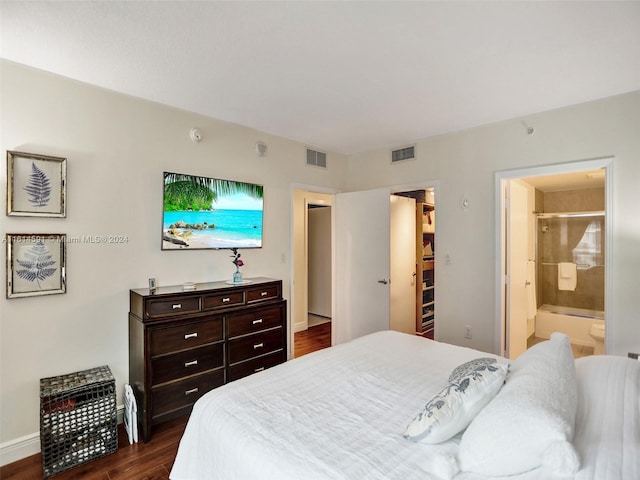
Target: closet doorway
[[424, 275]]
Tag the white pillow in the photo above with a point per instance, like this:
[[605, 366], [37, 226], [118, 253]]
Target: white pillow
[[471, 386], [530, 422]]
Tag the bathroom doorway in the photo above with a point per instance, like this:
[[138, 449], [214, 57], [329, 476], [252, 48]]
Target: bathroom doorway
[[554, 249]]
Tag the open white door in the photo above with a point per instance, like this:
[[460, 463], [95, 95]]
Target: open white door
[[362, 221], [517, 257], [403, 264]]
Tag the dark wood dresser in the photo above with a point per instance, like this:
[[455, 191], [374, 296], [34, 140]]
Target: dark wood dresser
[[184, 343]]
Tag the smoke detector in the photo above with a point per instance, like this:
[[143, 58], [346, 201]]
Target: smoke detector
[[196, 135]]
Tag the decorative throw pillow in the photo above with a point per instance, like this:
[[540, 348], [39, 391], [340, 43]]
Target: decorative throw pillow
[[531, 420], [471, 386]]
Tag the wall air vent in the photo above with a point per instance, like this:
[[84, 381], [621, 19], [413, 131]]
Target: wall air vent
[[317, 159], [406, 153]]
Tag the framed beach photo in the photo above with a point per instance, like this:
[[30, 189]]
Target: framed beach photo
[[36, 185], [36, 264], [210, 213]]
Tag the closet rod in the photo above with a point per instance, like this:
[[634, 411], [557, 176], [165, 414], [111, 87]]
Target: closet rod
[[569, 214]]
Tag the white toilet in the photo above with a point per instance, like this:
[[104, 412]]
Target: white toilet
[[597, 333]]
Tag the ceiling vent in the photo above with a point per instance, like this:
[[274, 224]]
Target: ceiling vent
[[317, 159], [406, 153]]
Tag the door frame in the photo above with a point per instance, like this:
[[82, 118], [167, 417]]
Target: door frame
[[295, 300], [426, 185], [605, 163]]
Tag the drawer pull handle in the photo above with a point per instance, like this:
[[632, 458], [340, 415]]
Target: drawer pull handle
[[226, 300], [191, 364], [256, 322], [189, 392], [263, 294], [258, 369], [177, 306], [191, 335], [258, 345]]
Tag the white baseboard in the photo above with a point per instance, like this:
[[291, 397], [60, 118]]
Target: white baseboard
[[20, 448], [300, 327], [24, 447]]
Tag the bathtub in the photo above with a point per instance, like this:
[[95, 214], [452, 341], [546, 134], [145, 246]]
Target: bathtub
[[575, 322]]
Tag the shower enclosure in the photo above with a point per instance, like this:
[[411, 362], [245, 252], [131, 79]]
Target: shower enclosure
[[570, 238]]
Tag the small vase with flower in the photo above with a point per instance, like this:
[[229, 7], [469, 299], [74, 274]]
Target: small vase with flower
[[237, 275]]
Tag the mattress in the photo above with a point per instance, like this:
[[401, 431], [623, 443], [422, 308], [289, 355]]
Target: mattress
[[340, 414]]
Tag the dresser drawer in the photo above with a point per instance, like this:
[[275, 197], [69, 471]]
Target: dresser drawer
[[256, 365], [222, 300], [166, 307], [245, 348], [267, 292], [189, 362], [185, 335], [253, 322], [184, 393]]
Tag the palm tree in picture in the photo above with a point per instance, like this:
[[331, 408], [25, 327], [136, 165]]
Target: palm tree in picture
[[190, 192]]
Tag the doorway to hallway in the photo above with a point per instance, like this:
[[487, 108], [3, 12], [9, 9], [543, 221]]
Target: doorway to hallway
[[312, 299]]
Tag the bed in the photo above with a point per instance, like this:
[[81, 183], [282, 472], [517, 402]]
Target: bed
[[344, 413]]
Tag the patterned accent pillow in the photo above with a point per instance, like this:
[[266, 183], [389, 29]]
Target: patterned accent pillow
[[530, 423], [471, 368], [471, 386]]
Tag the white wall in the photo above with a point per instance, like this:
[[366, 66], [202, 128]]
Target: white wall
[[320, 234], [465, 163], [117, 148]]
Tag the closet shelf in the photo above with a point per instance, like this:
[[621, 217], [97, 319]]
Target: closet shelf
[[425, 269]]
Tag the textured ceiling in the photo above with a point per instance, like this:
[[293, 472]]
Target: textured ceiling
[[339, 76]]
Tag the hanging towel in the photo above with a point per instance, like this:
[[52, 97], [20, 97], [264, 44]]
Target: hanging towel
[[531, 290], [567, 276]]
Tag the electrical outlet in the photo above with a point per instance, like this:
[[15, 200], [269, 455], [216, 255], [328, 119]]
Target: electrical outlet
[[467, 331]]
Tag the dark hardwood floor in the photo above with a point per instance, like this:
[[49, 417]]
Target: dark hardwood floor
[[140, 461], [152, 460], [312, 339]]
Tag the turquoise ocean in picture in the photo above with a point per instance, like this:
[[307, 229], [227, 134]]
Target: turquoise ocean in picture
[[233, 228], [202, 212]]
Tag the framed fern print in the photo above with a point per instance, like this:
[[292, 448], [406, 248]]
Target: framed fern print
[[36, 264], [36, 185]]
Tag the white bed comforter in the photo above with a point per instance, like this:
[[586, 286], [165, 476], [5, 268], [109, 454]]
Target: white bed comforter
[[340, 414]]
